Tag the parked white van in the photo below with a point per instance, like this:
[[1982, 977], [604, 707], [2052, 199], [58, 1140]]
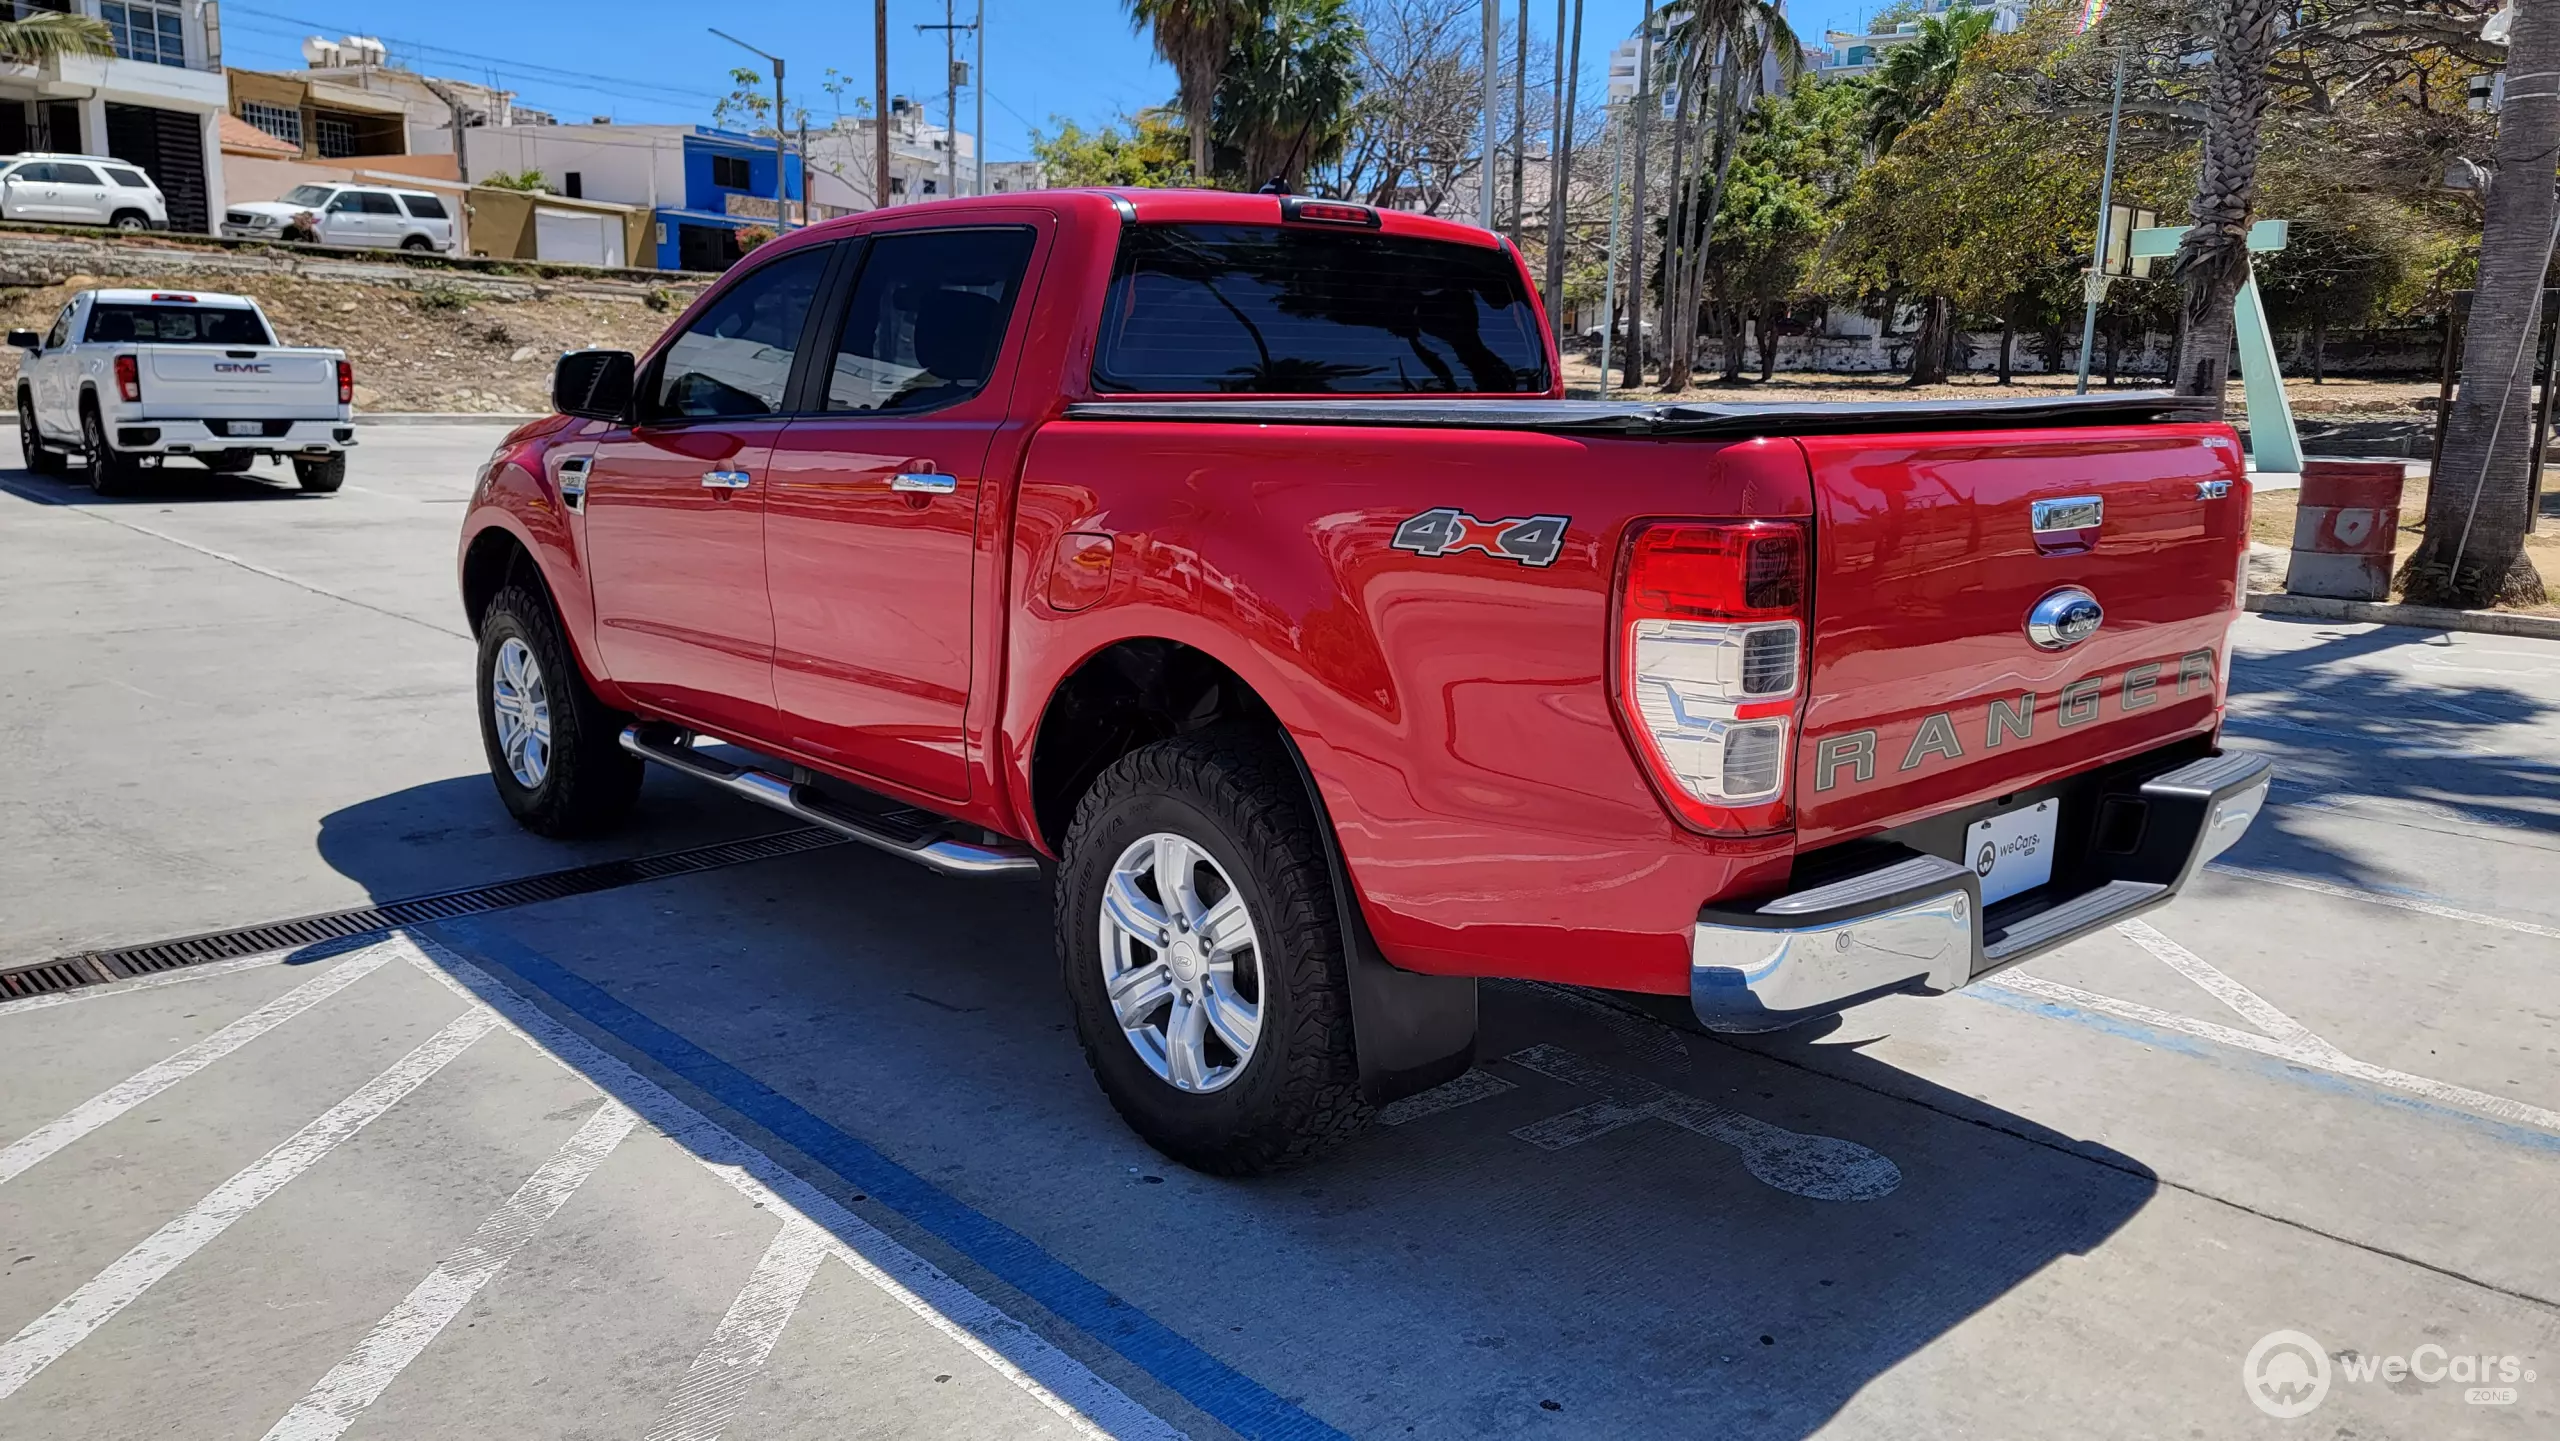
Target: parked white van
[[81, 190], [361, 215]]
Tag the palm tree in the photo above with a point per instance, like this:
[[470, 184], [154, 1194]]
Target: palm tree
[[2213, 260], [1195, 38], [1739, 45], [47, 34], [1917, 75], [2473, 554], [1286, 99]]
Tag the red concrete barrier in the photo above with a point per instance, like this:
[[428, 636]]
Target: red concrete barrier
[[2343, 529]]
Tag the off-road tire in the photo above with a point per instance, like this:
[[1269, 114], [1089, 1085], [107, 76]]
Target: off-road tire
[[110, 474], [321, 475], [1234, 794], [592, 781], [228, 462], [39, 457]]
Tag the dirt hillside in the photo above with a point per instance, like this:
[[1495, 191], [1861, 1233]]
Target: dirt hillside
[[414, 347]]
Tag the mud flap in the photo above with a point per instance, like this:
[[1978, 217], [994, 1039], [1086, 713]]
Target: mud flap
[[1413, 1031]]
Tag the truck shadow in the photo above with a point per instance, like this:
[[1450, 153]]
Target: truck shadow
[[192, 484], [1610, 1228], [2426, 743]]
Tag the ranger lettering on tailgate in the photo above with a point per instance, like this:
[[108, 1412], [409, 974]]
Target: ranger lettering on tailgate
[[2008, 717]]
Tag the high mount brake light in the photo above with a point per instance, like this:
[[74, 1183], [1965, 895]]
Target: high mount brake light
[[185, 299], [128, 378], [1327, 212], [1710, 665]]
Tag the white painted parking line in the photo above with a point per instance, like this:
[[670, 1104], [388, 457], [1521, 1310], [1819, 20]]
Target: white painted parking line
[[142, 983], [707, 1399], [2385, 898], [1092, 1405], [44, 1339], [1820, 1168], [1475, 1085], [2253, 1008], [405, 1331], [117, 1099]]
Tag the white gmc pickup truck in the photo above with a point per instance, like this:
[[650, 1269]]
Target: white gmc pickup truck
[[127, 378]]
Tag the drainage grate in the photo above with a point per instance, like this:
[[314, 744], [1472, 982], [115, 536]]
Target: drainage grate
[[90, 968]]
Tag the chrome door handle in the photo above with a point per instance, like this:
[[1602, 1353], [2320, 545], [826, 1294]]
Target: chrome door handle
[[924, 482], [726, 480]]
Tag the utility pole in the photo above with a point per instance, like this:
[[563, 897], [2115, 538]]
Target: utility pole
[[951, 93], [1560, 165], [1492, 102], [781, 137], [1635, 207], [2095, 287], [1520, 128], [1609, 289], [978, 82], [879, 103]]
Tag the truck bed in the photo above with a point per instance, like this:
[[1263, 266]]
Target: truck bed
[[1663, 418]]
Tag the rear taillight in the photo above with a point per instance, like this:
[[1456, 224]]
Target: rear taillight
[[1711, 663], [128, 378], [346, 383]]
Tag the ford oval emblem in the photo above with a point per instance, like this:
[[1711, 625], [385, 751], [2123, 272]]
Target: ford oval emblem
[[2064, 619]]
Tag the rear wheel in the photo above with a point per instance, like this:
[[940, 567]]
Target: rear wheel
[[416, 242], [322, 475], [39, 457], [555, 751], [1197, 931], [110, 473], [131, 220]]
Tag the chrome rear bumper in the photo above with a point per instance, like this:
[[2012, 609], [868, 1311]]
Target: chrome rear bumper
[[1917, 925]]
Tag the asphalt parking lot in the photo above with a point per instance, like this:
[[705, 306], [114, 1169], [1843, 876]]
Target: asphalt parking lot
[[802, 1145]]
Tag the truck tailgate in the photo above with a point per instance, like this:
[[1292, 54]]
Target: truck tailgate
[[181, 382], [1927, 692]]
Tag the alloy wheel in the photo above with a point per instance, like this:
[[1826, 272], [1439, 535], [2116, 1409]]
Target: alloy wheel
[[521, 704], [1181, 964]]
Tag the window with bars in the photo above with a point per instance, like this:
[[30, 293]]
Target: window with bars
[[335, 134], [282, 122], [146, 30]]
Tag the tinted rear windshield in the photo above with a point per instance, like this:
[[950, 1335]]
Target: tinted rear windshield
[[1274, 310], [177, 325]]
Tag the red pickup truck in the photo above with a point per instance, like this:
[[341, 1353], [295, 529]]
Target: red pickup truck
[[1240, 558]]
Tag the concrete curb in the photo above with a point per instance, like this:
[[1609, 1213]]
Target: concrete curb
[[2425, 617]]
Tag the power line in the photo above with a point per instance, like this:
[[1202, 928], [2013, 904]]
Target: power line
[[548, 74]]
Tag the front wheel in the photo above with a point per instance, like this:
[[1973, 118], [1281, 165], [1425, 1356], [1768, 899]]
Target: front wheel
[[39, 457], [555, 751], [1203, 956], [322, 475]]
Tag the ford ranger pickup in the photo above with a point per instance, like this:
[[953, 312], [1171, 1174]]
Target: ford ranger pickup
[[1238, 561]]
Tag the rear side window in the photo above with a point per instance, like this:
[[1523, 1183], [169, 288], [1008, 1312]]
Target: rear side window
[[424, 207], [176, 325], [129, 179], [736, 359], [1282, 310], [926, 321]]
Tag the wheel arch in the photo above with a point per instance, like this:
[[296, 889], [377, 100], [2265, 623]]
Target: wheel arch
[[497, 557]]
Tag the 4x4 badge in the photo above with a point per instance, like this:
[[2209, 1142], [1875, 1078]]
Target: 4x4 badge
[[1535, 540]]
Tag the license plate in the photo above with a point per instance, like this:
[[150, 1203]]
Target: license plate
[[2013, 851], [242, 427]]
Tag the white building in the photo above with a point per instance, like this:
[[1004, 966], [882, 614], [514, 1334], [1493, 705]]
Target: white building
[[156, 103], [435, 111], [922, 160], [1857, 53]]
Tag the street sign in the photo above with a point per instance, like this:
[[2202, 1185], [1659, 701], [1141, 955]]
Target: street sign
[[2274, 443]]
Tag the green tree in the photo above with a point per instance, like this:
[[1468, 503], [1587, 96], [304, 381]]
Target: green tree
[[1917, 74], [46, 34], [1152, 152], [1285, 102], [1797, 158], [1196, 38]]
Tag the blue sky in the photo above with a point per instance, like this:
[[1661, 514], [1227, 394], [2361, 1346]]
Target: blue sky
[[652, 61]]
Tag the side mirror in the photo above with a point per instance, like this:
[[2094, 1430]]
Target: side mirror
[[26, 340], [594, 384]]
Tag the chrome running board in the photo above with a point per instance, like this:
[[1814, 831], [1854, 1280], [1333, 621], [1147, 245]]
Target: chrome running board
[[901, 831]]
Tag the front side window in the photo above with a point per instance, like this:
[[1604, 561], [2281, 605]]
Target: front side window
[[736, 359], [34, 172], [927, 318], [1296, 310], [424, 207], [146, 30], [176, 325], [60, 335]]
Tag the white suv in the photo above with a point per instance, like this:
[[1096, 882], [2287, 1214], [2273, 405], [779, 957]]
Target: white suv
[[81, 189], [363, 215]]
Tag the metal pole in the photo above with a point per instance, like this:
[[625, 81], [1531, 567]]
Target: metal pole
[[1492, 103], [950, 104], [879, 103], [978, 127], [1559, 168], [1645, 104], [2097, 284], [781, 156], [1520, 128], [1609, 290]]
